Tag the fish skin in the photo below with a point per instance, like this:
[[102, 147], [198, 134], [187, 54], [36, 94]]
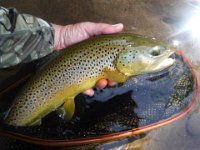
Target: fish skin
[[78, 68]]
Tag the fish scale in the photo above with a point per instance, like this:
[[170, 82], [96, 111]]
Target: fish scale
[[77, 68]]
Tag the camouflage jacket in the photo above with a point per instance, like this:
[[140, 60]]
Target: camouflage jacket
[[23, 37]]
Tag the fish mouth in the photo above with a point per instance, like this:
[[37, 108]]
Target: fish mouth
[[164, 61]]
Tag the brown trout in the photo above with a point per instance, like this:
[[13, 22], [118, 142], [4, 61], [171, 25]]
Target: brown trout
[[114, 57]]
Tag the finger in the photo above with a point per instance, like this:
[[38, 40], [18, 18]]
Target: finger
[[102, 83], [112, 83], [102, 28], [89, 92], [113, 28]]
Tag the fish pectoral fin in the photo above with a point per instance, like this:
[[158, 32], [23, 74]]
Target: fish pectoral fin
[[66, 111], [115, 75]]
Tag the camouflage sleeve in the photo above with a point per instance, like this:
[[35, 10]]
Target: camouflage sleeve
[[23, 37]]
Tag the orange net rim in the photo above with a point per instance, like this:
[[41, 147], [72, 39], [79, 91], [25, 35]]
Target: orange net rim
[[113, 136]]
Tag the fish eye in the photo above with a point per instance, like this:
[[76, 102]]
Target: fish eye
[[156, 51]]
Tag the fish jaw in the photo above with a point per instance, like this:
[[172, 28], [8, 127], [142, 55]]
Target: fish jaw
[[164, 61], [134, 61]]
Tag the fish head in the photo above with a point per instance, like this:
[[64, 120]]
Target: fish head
[[135, 60]]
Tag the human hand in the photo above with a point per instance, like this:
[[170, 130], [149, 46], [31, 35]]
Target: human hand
[[102, 83], [71, 34]]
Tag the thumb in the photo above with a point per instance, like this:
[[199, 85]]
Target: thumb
[[102, 28]]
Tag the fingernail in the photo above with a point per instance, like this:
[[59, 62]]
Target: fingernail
[[118, 24], [91, 93], [112, 83], [88, 92]]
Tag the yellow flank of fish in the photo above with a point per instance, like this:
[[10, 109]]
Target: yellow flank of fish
[[115, 57]]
